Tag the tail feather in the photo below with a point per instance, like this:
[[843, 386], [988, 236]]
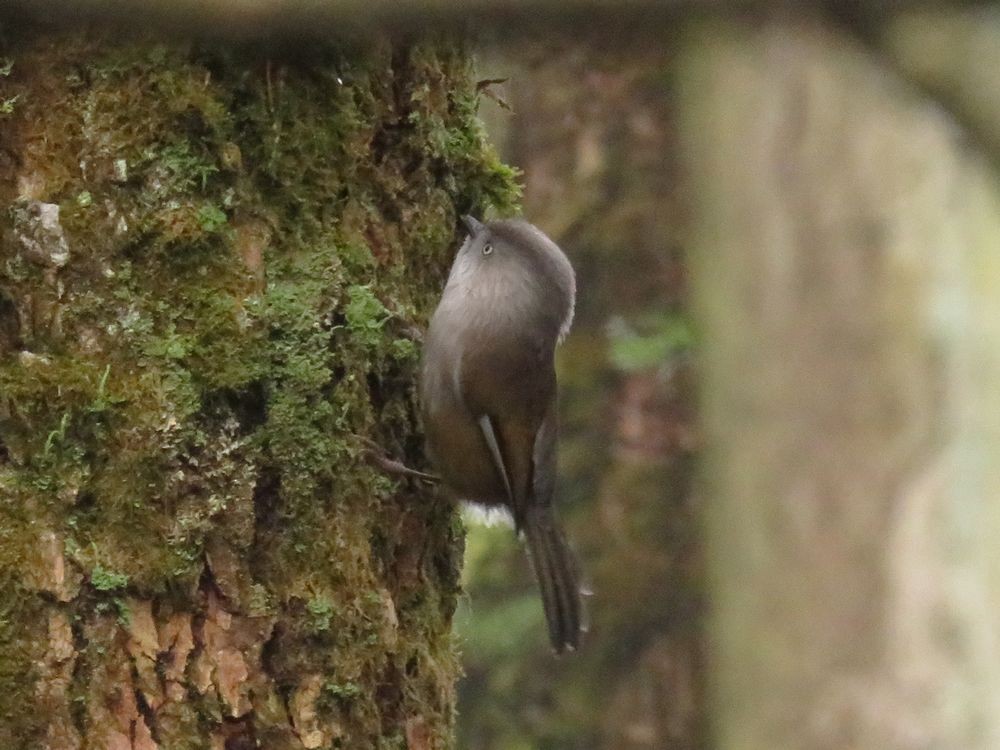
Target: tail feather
[[558, 582]]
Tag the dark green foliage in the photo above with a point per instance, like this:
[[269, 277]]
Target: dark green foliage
[[652, 341]]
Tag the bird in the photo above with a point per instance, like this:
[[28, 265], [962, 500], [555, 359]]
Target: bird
[[488, 395]]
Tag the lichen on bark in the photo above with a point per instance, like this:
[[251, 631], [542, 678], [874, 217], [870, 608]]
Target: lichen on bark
[[212, 267]]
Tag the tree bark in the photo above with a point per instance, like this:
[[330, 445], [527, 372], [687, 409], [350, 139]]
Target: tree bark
[[847, 288], [211, 270]]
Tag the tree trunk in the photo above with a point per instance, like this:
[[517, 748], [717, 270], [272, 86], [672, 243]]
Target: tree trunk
[[211, 270], [848, 290]]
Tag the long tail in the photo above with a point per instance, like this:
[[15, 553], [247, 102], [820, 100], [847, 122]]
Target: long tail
[[555, 568]]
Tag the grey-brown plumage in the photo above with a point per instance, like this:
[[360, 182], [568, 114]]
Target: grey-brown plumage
[[488, 390]]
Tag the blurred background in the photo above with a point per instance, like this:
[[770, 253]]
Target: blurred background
[[589, 126], [822, 173], [780, 420]]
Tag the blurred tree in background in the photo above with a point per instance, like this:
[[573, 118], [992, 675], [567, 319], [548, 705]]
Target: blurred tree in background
[[827, 180], [846, 264], [590, 126]]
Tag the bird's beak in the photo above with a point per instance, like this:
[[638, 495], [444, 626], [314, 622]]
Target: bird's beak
[[472, 224]]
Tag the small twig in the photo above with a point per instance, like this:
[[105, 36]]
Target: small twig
[[487, 82], [378, 456], [483, 88]]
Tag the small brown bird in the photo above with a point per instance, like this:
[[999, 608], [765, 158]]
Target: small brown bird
[[488, 391]]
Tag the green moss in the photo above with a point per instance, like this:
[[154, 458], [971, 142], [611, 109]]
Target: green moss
[[183, 169], [342, 691], [212, 218], [185, 385], [19, 664], [649, 342], [107, 580], [366, 316], [321, 610]]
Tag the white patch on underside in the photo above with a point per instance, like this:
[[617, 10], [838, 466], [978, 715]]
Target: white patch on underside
[[487, 515], [568, 322]]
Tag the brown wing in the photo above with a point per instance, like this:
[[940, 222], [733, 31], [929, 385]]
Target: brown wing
[[511, 395]]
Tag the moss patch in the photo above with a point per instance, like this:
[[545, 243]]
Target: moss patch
[[251, 243]]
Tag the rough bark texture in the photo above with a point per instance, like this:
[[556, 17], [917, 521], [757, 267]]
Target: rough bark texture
[[211, 269], [847, 286]]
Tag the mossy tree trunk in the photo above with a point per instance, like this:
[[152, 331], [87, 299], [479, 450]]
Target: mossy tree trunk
[[212, 268], [847, 285]]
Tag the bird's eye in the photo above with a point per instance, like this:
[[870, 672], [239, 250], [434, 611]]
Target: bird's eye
[[487, 249]]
